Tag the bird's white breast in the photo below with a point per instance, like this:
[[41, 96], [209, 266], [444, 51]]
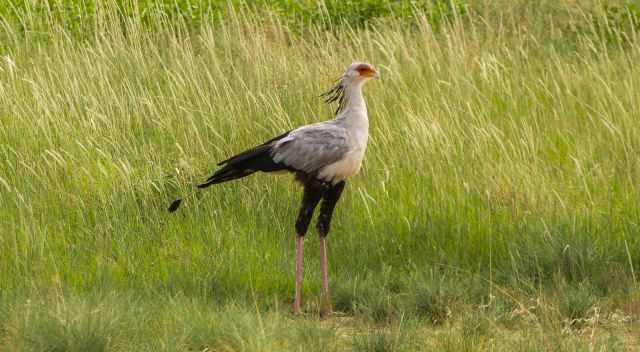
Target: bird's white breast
[[350, 164], [342, 169]]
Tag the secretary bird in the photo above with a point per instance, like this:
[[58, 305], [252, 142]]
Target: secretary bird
[[321, 155]]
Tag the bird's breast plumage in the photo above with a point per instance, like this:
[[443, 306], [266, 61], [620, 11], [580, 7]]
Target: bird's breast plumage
[[350, 163], [344, 168]]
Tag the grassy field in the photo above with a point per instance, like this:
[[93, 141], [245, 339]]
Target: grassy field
[[497, 209]]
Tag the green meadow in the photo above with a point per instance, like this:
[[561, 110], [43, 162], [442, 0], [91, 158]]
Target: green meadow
[[498, 208]]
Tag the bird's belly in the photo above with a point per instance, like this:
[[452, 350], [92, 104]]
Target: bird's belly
[[343, 168]]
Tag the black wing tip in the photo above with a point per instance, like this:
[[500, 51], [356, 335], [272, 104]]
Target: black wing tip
[[175, 205]]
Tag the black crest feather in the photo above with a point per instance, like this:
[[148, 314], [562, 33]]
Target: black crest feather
[[335, 93]]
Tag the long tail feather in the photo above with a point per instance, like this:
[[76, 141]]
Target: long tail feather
[[225, 174], [175, 205], [238, 166]]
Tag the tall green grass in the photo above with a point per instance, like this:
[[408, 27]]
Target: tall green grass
[[501, 176]]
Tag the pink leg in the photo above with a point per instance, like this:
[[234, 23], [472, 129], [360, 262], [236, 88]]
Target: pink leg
[[299, 250], [325, 309]]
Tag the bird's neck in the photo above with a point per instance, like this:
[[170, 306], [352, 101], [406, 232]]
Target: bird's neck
[[354, 110]]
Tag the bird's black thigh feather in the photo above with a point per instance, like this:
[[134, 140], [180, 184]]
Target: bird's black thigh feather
[[313, 192], [329, 200]]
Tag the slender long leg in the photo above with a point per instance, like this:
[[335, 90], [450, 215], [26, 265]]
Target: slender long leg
[[330, 199], [310, 199], [299, 255], [325, 299]]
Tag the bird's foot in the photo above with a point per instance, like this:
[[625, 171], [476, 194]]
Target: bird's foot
[[325, 313], [325, 307], [296, 308]]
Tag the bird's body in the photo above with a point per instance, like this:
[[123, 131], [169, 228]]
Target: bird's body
[[322, 155]]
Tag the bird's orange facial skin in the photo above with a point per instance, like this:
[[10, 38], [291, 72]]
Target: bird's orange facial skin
[[366, 71]]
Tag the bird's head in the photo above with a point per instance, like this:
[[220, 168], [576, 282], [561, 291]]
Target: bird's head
[[359, 72], [356, 74]]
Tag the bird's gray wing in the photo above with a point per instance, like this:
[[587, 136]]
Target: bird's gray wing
[[312, 147]]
